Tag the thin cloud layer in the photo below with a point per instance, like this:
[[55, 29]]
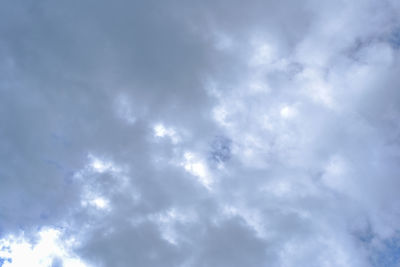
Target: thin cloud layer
[[217, 133]]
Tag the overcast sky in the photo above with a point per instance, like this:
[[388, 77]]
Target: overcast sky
[[208, 133]]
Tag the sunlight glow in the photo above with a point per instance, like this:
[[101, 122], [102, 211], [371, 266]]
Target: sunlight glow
[[161, 131], [196, 167], [49, 247]]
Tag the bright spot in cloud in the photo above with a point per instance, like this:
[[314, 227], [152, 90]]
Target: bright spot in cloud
[[220, 115], [22, 253], [100, 203], [161, 131], [196, 167], [100, 165], [287, 112], [97, 202]]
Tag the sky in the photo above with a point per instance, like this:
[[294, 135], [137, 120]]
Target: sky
[[199, 133]]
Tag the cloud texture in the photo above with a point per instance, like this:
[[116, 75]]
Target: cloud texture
[[200, 133]]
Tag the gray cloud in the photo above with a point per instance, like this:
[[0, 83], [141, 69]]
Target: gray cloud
[[202, 134]]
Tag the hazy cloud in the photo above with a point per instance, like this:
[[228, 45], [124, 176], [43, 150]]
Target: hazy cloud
[[216, 133]]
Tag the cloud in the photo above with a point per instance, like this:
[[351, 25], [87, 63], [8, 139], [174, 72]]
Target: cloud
[[217, 133]]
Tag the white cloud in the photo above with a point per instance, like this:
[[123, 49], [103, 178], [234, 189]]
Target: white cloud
[[42, 252], [194, 165], [287, 112], [161, 131]]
